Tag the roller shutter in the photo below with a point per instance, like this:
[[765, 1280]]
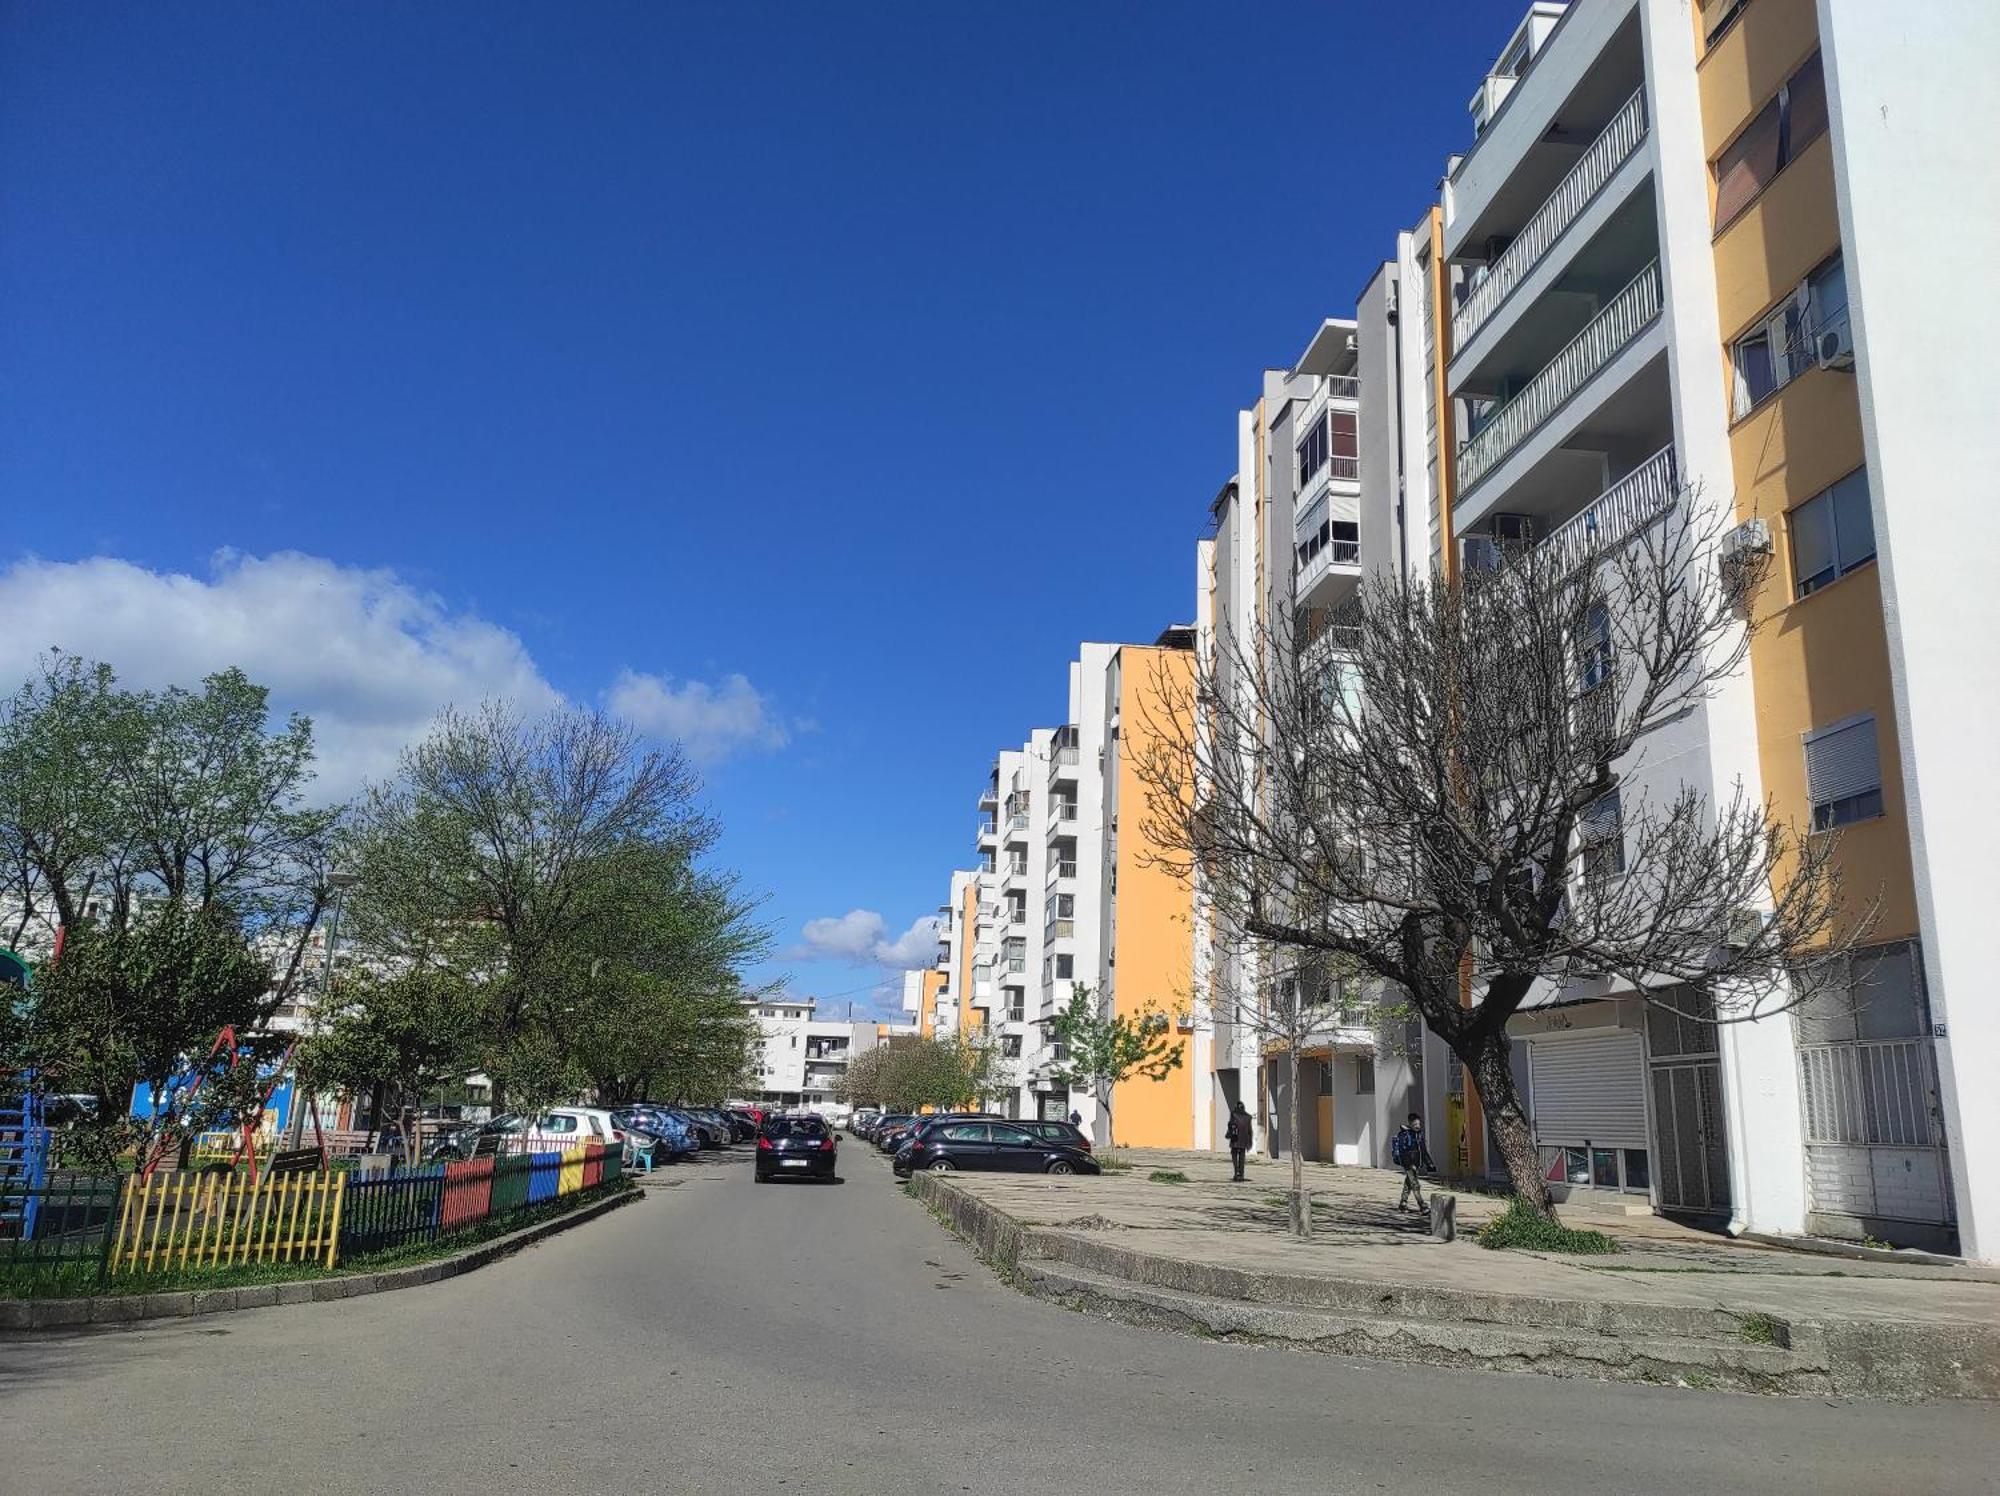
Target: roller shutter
[[1589, 1089]]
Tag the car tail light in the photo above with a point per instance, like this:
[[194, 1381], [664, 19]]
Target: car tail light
[[764, 1145]]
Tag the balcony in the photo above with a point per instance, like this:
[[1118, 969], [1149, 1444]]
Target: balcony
[[1061, 869], [1059, 929], [1613, 146], [1629, 313], [1621, 511], [1062, 817], [987, 829], [1333, 559]]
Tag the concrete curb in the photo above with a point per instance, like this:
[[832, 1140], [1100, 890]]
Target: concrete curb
[[30, 1315], [1890, 1360]]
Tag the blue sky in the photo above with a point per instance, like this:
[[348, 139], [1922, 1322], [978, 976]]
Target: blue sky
[[740, 366]]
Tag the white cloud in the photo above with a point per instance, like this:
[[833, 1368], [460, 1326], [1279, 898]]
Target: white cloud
[[710, 721], [370, 657], [860, 936]]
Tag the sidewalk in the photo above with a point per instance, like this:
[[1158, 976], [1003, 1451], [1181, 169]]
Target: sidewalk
[[1213, 1256]]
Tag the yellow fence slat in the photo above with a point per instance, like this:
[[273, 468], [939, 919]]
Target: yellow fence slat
[[333, 1226]]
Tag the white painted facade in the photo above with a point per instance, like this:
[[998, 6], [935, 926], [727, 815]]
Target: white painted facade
[[1914, 177], [798, 1057]]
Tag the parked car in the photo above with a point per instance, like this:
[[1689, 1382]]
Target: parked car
[[861, 1119], [890, 1130], [743, 1122], [1060, 1132], [930, 1121], [801, 1147], [728, 1128], [666, 1134], [558, 1127], [997, 1147]]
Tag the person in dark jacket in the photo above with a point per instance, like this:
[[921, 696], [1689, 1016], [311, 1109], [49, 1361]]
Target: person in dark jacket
[[1238, 1133], [1409, 1154]]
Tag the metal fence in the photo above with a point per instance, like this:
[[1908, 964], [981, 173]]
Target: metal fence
[[214, 1218], [63, 1222]]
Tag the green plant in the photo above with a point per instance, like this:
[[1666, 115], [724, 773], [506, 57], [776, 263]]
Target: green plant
[[1761, 1329], [1112, 1164], [1521, 1227], [1167, 1176]]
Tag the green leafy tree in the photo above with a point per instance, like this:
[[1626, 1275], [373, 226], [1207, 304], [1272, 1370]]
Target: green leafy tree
[[912, 1074], [411, 1033], [1104, 1048], [138, 1001]]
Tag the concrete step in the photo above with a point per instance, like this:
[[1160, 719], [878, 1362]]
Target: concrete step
[[1414, 1301], [1739, 1365]]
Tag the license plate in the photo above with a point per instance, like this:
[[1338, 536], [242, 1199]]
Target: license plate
[[794, 1163]]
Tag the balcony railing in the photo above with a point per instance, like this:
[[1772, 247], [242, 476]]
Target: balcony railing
[[1062, 810], [1061, 760], [1060, 869], [1631, 311], [1614, 145], [1343, 386], [1333, 553], [1620, 511], [986, 826], [1018, 821]]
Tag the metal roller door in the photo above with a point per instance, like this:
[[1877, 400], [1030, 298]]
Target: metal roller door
[[1589, 1089]]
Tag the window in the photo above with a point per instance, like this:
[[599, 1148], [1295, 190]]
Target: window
[[1364, 1076], [1010, 1044], [1783, 344], [1018, 1137], [1601, 833], [1832, 534], [1593, 648], [1843, 773], [1770, 142], [1312, 452], [966, 1132], [1065, 968]]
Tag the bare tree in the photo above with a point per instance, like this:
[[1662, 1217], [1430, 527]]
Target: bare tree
[[1467, 789]]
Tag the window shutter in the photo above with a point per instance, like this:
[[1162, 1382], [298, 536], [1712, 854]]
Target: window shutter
[[1600, 821], [1841, 762]]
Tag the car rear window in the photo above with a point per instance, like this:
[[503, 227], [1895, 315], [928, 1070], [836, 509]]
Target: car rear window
[[794, 1127]]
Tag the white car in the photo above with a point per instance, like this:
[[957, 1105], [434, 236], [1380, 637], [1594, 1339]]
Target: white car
[[561, 1127]]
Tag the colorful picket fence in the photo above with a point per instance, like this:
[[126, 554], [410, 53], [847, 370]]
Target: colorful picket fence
[[417, 1205], [210, 1219]]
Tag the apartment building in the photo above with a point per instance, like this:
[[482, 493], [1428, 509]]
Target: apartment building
[[1311, 509], [1638, 301], [1641, 299], [798, 1058]]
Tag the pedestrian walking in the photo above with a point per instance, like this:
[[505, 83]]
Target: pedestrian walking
[[1238, 1133], [1075, 1117], [1409, 1154]]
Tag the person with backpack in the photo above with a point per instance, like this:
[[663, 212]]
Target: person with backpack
[[1238, 1133], [1408, 1153]]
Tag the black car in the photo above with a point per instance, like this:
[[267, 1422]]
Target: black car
[[1067, 1133], [801, 1147], [994, 1147], [889, 1127]]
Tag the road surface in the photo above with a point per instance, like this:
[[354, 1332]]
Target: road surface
[[724, 1336]]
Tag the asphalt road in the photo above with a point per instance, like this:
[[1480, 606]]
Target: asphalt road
[[724, 1336]]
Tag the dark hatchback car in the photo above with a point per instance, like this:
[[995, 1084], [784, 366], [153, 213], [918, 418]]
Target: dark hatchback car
[[995, 1147], [795, 1147], [882, 1134], [1066, 1133]]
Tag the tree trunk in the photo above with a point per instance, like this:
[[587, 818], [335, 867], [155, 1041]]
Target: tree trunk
[[1486, 1058], [1301, 1205]]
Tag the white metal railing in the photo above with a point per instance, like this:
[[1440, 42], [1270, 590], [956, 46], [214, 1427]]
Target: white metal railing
[[1061, 869], [1018, 821], [1333, 553], [1064, 758], [1629, 313], [986, 826], [1062, 810], [1621, 510], [1343, 386], [1614, 145]]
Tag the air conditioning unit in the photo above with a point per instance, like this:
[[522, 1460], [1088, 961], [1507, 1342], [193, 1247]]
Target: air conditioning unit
[[1514, 529], [1746, 542], [1835, 346], [1478, 553], [1742, 928]]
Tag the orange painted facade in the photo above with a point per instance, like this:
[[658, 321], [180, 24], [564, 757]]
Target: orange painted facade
[[1153, 943]]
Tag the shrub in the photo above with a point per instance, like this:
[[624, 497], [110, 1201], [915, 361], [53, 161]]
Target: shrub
[[1167, 1176], [1520, 1228]]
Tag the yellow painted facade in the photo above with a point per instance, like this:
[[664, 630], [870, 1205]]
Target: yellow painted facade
[[1818, 659], [969, 1017], [929, 982], [1153, 947]]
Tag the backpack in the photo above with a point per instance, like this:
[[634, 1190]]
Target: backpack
[[1403, 1149]]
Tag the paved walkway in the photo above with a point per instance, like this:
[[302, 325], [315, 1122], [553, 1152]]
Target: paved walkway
[[1360, 1235]]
